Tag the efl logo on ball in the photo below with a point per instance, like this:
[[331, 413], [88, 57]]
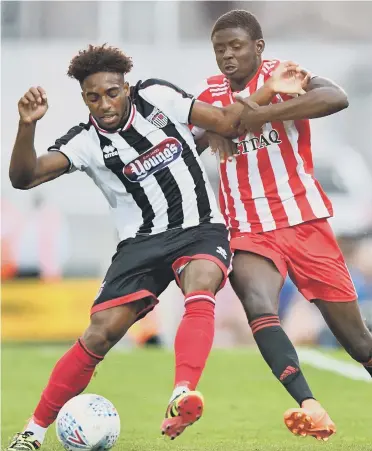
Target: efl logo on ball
[[153, 160], [76, 438]]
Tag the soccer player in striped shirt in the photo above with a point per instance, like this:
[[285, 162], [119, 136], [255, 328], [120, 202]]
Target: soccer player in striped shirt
[[277, 212], [139, 151]]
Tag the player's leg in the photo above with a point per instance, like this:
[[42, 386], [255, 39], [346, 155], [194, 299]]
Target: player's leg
[[257, 279], [317, 267], [346, 322], [124, 296], [199, 281], [330, 287], [73, 372], [200, 270]]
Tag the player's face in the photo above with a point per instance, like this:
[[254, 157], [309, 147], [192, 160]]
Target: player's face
[[106, 96], [237, 55]]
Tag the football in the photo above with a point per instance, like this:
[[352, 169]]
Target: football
[[88, 422]]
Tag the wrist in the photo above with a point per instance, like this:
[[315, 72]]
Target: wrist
[[26, 124], [263, 113], [269, 88]]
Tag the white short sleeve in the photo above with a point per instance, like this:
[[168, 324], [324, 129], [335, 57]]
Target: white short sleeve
[[73, 146], [170, 99]]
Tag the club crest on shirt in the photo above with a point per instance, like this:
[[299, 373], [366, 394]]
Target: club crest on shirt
[[155, 159], [157, 118]]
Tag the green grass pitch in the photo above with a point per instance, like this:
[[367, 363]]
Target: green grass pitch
[[244, 404]]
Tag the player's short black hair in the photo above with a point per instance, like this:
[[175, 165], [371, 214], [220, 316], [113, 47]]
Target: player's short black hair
[[239, 18], [95, 59]]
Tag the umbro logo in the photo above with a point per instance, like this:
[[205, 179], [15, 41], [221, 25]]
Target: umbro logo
[[220, 250]]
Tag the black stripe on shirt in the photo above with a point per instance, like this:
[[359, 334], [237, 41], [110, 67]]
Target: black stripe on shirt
[[204, 207], [164, 177], [135, 189], [190, 160], [74, 131]]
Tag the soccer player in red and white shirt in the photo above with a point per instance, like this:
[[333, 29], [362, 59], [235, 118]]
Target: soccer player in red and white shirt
[[277, 213]]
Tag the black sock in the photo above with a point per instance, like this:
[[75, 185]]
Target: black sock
[[280, 354]]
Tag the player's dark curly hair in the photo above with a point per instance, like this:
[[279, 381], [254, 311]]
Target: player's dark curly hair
[[101, 58], [239, 18]]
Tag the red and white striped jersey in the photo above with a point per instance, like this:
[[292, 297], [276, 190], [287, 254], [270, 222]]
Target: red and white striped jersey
[[270, 184]]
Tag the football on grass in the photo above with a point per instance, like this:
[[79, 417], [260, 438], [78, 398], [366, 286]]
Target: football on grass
[[88, 422]]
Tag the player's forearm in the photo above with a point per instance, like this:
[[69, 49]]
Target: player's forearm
[[263, 95], [23, 160], [232, 113], [316, 103], [202, 143]]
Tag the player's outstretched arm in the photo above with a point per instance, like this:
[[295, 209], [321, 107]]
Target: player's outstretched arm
[[26, 169], [225, 121], [287, 78], [322, 98]]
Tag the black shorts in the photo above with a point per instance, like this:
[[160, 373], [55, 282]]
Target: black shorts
[[143, 266]]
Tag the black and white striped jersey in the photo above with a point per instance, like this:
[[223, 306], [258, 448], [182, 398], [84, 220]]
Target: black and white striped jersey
[[149, 170]]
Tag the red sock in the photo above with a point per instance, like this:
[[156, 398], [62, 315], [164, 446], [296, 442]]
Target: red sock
[[70, 376], [194, 338]]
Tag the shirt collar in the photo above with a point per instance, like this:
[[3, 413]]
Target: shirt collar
[[125, 127]]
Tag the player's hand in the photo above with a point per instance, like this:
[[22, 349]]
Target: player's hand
[[289, 78], [225, 147], [33, 105], [250, 119]]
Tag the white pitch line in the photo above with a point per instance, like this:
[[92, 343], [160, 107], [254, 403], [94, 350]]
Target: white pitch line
[[325, 362]]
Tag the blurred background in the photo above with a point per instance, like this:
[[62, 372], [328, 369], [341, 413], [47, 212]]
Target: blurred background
[[57, 240]]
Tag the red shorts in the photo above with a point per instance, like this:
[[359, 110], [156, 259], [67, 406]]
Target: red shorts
[[309, 253]]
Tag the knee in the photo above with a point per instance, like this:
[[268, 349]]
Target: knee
[[107, 327], [202, 276], [254, 295], [256, 304], [100, 339], [254, 298], [205, 282], [361, 351]]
